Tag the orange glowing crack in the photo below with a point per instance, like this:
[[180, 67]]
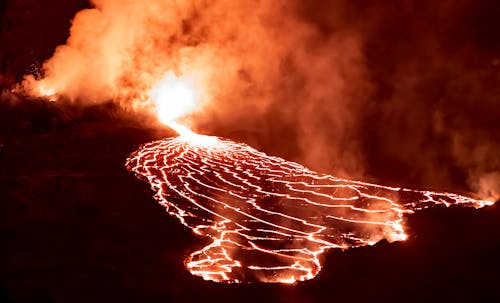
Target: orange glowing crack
[[269, 218]]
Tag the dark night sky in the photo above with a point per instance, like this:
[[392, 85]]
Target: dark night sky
[[75, 226]]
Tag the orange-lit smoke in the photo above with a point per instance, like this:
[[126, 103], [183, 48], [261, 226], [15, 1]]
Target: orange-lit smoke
[[245, 57], [136, 54], [296, 78]]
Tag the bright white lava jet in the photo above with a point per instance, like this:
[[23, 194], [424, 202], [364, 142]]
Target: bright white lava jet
[[173, 97]]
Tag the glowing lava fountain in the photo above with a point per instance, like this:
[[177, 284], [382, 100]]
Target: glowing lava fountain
[[269, 219]]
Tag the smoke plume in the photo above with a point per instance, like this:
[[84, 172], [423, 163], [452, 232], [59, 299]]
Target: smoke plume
[[341, 86]]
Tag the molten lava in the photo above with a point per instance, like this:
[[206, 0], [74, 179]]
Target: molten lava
[[269, 219]]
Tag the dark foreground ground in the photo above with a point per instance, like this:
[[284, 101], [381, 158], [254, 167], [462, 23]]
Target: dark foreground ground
[[75, 226]]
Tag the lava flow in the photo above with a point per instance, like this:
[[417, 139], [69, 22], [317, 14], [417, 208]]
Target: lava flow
[[269, 219]]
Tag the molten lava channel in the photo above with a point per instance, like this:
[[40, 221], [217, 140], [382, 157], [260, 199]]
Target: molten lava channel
[[269, 219]]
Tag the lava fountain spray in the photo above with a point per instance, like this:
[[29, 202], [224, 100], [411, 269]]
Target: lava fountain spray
[[269, 219]]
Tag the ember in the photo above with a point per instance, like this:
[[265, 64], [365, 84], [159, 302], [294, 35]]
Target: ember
[[269, 218]]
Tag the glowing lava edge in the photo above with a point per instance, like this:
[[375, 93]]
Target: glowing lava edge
[[270, 219]]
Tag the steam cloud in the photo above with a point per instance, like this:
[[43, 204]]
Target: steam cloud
[[335, 85]]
